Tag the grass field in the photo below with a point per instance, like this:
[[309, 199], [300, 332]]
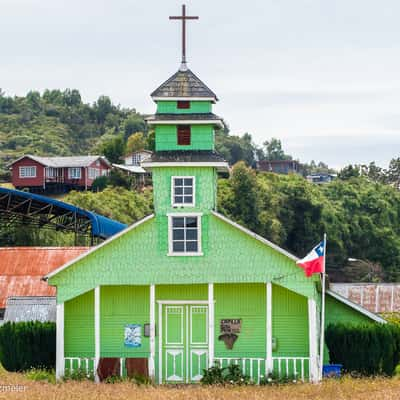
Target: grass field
[[17, 386]]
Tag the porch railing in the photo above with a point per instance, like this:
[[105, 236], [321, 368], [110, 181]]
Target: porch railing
[[87, 365], [255, 368], [73, 364], [283, 367]]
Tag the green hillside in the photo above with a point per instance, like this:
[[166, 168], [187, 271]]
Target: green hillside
[[58, 123]]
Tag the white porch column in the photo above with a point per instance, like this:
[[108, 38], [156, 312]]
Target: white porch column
[[269, 362], [96, 330], [211, 324], [313, 340], [60, 341], [152, 370]]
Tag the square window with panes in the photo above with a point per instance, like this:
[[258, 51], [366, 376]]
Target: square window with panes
[[185, 233], [183, 191], [183, 135]]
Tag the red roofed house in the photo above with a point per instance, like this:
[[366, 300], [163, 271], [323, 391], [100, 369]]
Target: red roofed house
[[22, 269], [60, 173]]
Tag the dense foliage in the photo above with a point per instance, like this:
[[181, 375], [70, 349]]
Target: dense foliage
[[116, 203], [25, 345], [58, 123], [360, 217], [371, 349]]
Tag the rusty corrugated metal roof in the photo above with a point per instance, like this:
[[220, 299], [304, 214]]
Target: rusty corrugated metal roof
[[375, 297], [22, 269]]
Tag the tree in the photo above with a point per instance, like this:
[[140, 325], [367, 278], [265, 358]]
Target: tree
[[363, 271], [273, 150], [103, 106], [350, 171], [134, 123], [393, 174], [244, 189], [235, 148], [136, 142], [113, 148]]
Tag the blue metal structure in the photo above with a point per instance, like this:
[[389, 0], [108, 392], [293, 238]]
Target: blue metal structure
[[33, 209]]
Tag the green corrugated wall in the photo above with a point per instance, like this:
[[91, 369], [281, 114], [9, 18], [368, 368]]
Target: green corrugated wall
[[196, 107], [289, 322], [79, 326], [121, 305], [202, 138], [245, 301], [337, 311]]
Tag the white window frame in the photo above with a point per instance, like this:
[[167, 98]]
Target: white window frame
[[199, 251], [93, 173], [32, 171], [51, 172], [136, 159], [73, 176], [193, 203]]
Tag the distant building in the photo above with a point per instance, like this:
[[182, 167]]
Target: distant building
[[132, 165], [30, 308], [375, 297], [41, 174], [137, 157], [21, 272], [279, 166], [321, 178]]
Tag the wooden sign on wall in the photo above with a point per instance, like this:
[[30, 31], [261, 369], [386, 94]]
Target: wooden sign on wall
[[230, 325]]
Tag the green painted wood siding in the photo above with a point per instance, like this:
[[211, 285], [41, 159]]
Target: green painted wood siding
[[336, 311], [202, 138], [79, 326], [181, 292], [121, 305], [196, 107], [245, 301], [139, 257], [289, 322], [205, 189]]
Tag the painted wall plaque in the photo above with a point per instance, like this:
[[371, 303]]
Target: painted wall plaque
[[230, 325], [133, 335]]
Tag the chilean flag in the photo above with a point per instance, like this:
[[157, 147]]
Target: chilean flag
[[313, 262]]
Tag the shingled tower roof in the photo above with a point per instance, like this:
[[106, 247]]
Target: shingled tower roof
[[184, 84]]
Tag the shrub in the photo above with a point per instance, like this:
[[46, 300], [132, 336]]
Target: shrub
[[36, 374], [221, 376], [372, 349], [25, 345], [78, 374]]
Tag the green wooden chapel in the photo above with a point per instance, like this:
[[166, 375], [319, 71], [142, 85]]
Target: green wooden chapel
[[186, 287]]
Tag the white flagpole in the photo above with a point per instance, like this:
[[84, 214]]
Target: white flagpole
[[322, 335]]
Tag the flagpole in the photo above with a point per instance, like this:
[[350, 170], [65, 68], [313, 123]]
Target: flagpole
[[322, 336]]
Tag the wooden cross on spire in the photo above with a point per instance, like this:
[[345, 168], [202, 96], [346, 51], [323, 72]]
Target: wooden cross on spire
[[183, 18]]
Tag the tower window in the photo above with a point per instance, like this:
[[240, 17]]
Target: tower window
[[183, 104], [183, 191], [185, 234], [183, 135]]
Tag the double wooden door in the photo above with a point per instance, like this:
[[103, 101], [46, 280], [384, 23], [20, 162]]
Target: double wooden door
[[184, 342]]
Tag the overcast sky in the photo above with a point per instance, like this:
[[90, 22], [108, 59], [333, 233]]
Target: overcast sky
[[321, 75]]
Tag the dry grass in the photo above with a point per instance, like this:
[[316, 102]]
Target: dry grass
[[347, 388]]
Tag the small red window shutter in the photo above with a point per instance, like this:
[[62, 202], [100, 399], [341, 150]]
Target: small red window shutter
[[184, 135], [183, 104]]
